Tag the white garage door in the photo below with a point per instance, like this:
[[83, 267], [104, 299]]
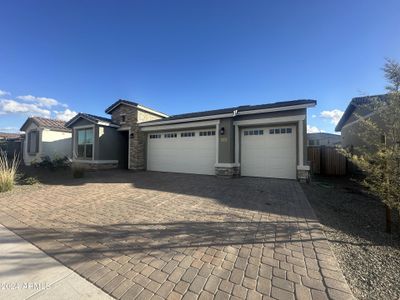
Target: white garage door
[[269, 152], [191, 151]]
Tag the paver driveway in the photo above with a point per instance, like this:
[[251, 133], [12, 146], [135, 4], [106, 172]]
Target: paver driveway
[[159, 235]]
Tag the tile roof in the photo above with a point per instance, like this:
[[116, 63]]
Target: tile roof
[[120, 101], [46, 123], [91, 118], [238, 108], [8, 136], [113, 106]]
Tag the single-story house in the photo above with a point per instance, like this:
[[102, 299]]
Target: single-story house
[[45, 138], [323, 139], [5, 136], [11, 143], [267, 140], [359, 108]]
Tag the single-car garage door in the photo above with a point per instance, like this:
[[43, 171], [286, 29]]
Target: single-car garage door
[[191, 151], [269, 152]]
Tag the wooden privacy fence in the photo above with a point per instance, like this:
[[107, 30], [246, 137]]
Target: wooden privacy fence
[[327, 161]]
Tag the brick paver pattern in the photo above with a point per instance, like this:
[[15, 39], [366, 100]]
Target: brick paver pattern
[[150, 235]]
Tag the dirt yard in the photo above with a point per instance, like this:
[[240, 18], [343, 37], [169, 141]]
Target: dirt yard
[[354, 223]]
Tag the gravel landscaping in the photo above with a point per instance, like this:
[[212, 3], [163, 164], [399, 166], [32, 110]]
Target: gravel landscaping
[[354, 224]]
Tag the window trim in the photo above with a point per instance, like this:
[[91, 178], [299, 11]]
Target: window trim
[[75, 142], [204, 133], [188, 134], [37, 137], [122, 116], [170, 135], [155, 136]]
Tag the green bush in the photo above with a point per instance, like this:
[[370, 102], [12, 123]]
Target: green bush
[[8, 171]]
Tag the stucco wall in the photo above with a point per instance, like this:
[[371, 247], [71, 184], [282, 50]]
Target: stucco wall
[[111, 142], [350, 133], [55, 144], [226, 141]]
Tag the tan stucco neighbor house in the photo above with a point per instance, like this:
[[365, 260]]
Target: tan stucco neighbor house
[[359, 108], [45, 137], [267, 140]]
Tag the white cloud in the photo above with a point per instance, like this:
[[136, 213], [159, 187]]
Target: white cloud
[[3, 93], [65, 115], [9, 129], [314, 116], [40, 101], [313, 129], [14, 107], [332, 115]]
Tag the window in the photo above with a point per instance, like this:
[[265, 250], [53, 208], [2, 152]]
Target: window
[[170, 135], [85, 143], [155, 136], [123, 119], [280, 130], [188, 134], [33, 142], [254, 132], [311, 142], [207, 133]]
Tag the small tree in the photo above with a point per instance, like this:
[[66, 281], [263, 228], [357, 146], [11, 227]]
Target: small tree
[[379, 154]]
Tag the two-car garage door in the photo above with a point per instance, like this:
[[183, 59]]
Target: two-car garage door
[[264, 151], [269, 152], [191, 151]]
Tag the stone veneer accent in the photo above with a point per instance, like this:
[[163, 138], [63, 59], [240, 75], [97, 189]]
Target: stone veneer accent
[[137, 139], [89, 166], [227, 171], [303, 174]]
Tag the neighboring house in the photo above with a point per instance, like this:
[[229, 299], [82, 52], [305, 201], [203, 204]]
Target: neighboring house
[[11, 143], [358, 109], [266, 140], [323, 139], [45, 137], [4, 136]]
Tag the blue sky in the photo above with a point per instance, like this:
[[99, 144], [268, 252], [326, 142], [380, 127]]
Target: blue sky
[[62, 57]]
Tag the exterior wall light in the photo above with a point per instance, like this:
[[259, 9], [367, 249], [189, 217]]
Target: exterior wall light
[[222, 131]]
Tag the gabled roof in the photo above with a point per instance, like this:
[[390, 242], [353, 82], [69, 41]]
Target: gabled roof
[[244, 109], [354, 103], [113, 106], [93, 119], [52, 124]]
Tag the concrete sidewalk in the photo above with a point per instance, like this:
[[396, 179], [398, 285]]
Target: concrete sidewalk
[[26, 272]]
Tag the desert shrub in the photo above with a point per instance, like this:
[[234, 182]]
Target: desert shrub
[[30, 180], [8, 171], [78, 172], [56, 163]]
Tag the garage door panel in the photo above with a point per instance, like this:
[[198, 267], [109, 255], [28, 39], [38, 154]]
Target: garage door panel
[[268, 155], [191, 154]]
